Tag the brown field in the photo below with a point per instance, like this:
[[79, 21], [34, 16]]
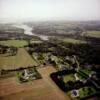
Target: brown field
[[42, 89]]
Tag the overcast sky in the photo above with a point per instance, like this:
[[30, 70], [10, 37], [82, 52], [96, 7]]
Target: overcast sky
[[50, 9]]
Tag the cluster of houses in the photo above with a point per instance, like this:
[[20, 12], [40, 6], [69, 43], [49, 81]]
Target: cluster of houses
[[86, 80], [28, 74], [87, 90]]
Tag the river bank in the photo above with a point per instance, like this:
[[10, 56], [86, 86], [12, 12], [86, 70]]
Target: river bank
[[28, 31]]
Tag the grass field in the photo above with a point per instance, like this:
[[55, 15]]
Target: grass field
[[74, 41], [92, 33], [14, 43], [20, 60], [36, 42]]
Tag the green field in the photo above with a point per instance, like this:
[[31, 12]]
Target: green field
[[92, 33], [21, 60], [74, 41], [14, 43]]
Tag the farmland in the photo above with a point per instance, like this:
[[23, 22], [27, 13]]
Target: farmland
[[14, 43], [27, 63], [73, 41], [44, 89], [20, 60], [92, 33]]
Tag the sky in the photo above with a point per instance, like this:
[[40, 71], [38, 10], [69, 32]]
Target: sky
[[50, 9]]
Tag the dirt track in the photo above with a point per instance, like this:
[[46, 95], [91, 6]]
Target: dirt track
[[42, 89], [45, 72]]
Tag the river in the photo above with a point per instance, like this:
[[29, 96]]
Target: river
[[28, 31]]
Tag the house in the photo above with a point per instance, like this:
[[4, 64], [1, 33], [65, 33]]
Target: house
[[75, 93], [28, 73]]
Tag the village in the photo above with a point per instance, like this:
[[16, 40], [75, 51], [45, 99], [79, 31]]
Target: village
[[25, 61], [49, 49]]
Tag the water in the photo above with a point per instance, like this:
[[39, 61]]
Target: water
[[28, 31]]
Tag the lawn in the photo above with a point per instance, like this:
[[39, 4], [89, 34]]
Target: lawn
[[20, 60], [14, 43], [80, 76], [83, 92], [86, 91], [69, 77]]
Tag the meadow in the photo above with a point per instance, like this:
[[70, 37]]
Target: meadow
[[93, 34], [14, 43]]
